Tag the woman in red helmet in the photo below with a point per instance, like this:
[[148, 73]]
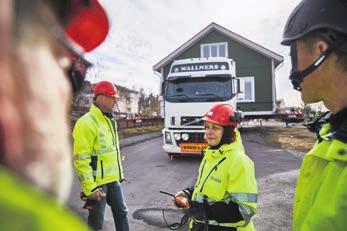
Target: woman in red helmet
[[225, 194]]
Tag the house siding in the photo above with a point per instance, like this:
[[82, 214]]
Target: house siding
[[248, 63]]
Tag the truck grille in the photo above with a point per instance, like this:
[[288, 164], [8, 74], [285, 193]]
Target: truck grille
[[193, 138], [189, 119]]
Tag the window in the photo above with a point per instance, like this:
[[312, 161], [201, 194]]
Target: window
[[214, 50], [247, 90]]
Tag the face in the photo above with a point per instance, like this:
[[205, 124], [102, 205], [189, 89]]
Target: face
[[107, 102], [314, 84], [213, 133], [45, 94]]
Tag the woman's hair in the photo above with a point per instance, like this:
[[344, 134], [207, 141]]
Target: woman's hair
[[228, 135]]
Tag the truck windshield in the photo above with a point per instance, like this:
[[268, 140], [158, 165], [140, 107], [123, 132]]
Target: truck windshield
[[199, 89]]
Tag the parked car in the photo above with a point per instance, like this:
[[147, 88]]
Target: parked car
[[293, 116]]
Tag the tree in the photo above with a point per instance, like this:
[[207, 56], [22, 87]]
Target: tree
[[148, 105]]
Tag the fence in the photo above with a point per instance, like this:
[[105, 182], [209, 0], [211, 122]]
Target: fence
[[143, 122], [122, 123]]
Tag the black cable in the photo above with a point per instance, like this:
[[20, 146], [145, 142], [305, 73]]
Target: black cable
[[176, 225]]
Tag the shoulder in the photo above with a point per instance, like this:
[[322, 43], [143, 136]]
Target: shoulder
[[32, 208], [237, 157], [87, 119]]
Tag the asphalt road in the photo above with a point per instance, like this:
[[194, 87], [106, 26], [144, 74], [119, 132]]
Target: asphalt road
[[148, 170]]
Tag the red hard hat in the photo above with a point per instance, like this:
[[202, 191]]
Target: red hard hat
[[221, 114], [87, 24], [105, 88]]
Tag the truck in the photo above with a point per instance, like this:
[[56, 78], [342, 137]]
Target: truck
[[190, 89], [293, 115]]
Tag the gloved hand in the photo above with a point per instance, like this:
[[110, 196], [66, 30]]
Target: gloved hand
[[197, 210], [97, 194], [181, 200]]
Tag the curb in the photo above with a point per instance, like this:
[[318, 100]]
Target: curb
[[138, 139], [297, 154]]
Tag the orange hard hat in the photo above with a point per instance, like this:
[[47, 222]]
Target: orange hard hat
[[221, 114], [105, 88], [87, 23]]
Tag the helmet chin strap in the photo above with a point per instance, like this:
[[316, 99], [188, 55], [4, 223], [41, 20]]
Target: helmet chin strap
[[297, 77]]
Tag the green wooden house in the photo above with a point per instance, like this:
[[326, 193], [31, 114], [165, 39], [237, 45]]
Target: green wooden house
[[255, 66]]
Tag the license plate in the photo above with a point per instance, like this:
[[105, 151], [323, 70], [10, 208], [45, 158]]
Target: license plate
[[192, 147]]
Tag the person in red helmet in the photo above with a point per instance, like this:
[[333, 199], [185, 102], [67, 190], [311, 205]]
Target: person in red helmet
[[225, 194], [97, 159], [37, 82]]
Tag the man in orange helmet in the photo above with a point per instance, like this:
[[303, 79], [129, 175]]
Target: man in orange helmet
[[38, 40], [97, 159]]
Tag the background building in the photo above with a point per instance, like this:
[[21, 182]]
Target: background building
[[126, 107], [255, 65]]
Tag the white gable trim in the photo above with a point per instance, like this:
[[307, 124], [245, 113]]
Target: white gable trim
[[228, 33]]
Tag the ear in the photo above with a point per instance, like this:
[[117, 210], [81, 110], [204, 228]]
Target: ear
[[321, 46]]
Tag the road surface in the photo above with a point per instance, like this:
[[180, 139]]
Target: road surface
[[148, 169]]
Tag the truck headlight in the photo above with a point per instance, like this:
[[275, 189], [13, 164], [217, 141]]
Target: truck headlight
[[168, 138], [177, 136], [185, 136]]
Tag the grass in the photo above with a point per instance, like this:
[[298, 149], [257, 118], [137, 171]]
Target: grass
[[294, 138], [124, 133]]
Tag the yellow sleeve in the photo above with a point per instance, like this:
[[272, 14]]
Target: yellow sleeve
[[84, 135]]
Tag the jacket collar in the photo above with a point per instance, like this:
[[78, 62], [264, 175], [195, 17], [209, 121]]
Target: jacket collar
[[97, 111], [218, 153]]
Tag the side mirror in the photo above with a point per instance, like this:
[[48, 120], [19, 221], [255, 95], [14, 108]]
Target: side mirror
[[239, 86], [163, 88], [235, 85]]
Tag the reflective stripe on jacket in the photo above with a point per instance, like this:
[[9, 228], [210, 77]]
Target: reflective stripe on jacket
[[25, 207], [320, 201], [95, 138], [228, 174]]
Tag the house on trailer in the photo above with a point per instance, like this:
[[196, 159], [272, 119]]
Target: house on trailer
[[255, 66]]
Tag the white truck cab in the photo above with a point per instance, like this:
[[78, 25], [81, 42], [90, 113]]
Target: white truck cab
[[191, 88]]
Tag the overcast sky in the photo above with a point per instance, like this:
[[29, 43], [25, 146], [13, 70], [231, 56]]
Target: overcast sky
[[144, 32]]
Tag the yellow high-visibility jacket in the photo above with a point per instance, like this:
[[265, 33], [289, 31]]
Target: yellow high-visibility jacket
[[227, 174], [96, 150], [24, 207], [320, 201]]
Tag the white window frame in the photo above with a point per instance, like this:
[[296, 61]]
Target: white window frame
[[209, 45], [242, 87]]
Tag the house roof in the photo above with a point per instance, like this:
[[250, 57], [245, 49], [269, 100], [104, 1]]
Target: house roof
[[278, 59]]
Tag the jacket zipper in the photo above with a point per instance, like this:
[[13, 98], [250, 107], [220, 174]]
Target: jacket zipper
[[214, 168], [202, 170], [114, 143], [102, 169]]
